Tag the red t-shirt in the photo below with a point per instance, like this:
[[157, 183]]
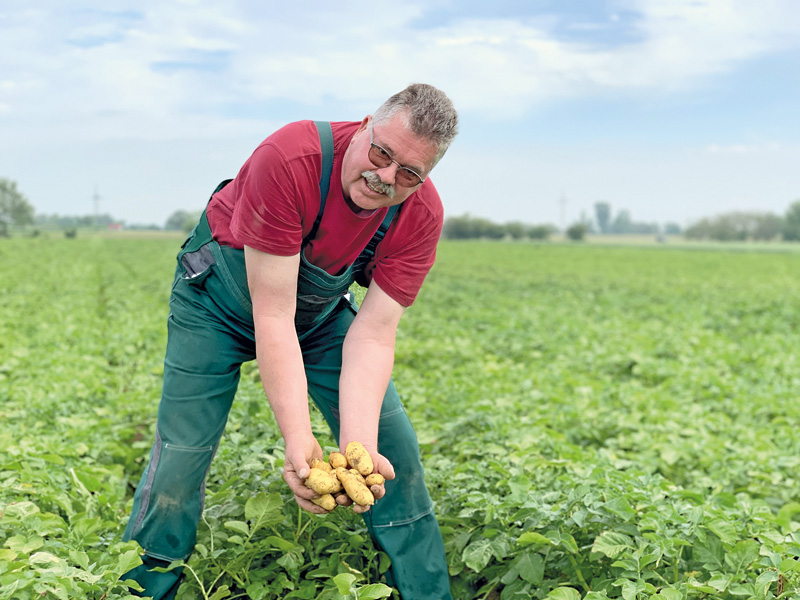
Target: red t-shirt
[[273, 202]]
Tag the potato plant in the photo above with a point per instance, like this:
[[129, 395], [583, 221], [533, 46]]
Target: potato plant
[[595, 422]]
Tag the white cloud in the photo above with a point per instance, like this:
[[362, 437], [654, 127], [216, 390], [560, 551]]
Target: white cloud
[[743, 148], [499, 67]]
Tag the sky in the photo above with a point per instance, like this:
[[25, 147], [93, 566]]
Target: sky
[[673, 110]]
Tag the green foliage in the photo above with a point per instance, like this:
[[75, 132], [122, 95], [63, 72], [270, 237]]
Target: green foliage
[[602, 211], [737, 227], [577, 232], [791, 223], [14, 207], [594, 422], [182, 220], [467, 227]]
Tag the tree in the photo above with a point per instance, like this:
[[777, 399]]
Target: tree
[[737, 227], [602, 211], [623, 223], [14, 207], [791, 223], [182, 220], [577, 232]]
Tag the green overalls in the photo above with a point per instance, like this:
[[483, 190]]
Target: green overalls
[[210, 334]]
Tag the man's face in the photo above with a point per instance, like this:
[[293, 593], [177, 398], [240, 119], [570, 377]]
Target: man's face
[[405, 148]]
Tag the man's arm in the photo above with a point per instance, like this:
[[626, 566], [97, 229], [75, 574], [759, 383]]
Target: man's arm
[[273, 286], [367, 361]]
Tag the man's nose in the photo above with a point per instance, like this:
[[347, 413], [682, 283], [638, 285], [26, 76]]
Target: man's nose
[[388, 173]]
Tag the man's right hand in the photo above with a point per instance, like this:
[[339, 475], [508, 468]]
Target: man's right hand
[[300, 449]]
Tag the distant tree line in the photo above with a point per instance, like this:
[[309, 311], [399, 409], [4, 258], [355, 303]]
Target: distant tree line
[[17, 211], [623, 223], [742, 226], [469, 227]]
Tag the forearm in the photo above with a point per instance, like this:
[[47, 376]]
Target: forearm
[[280, 365], [367, 362]]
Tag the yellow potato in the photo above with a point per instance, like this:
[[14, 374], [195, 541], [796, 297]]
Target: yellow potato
[[359, 458], [358, 491], [358, 475], [320, 481], [338, 484], [374, 479], [337, 459], [318, 463], [326, 501]]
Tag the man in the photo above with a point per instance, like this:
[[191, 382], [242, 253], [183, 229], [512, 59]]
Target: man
[[265, 275]]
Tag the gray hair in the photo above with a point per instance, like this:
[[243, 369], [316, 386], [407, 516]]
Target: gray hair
[[428, 113]]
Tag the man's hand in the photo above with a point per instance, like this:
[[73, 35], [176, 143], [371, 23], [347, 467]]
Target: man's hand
[[300, 449], [382, 466]]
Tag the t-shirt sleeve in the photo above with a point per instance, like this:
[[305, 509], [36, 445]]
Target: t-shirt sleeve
[[268, 213], [406, 255]]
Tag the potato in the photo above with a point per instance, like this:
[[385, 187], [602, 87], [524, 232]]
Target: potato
[[374, 479], [338, 484], [326, 501], [358, 475], [337, 459], [359, 458], [358, 491], [318, 463], [320, 481]]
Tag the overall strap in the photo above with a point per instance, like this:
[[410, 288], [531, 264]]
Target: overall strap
[[326, 145], [369, 251], [201, 234]]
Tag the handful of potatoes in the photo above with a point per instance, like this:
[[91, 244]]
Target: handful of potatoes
[[349, 473]]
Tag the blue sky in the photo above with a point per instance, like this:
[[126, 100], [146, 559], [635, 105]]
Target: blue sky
[[672, 109]]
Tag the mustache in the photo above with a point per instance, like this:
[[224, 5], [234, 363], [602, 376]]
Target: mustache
[[377, 184]]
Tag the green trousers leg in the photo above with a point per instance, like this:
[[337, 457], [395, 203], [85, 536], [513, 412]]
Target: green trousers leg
[[210, 335], [402, 523]]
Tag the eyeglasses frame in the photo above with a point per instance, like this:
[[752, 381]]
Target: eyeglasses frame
[[400, 167]]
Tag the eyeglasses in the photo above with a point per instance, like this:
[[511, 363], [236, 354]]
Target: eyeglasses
[[381, 158]]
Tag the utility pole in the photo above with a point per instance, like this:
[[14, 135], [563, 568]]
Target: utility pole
[[563, 202], [96, 200]]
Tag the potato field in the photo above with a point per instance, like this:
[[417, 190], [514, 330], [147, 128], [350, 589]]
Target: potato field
[[595, 422]]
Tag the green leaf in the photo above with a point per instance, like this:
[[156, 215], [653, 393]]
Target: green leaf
[[564, 593], [238, 526], [724, 530], [720, 581], [530, 567], [790, 565], [478, 554], [127, 561], [520, 487], [744, 553], [41, 558], [620, 507], [280, 543], [263, 510], [785, 514], [373, 591], [223, 591], [709, 552], [670, 594], [531, 537], [612, 544], [344, 583]]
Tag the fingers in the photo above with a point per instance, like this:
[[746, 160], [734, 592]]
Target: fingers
[[310, 506], [384, 467], [378, 491], [297, 485]]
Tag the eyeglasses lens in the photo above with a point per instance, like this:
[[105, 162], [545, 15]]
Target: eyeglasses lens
[[381, 159]]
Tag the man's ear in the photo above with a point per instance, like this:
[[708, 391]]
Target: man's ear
[[364, 123]]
